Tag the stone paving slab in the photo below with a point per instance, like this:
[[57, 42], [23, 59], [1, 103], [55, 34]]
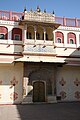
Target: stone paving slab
[[56, 111]]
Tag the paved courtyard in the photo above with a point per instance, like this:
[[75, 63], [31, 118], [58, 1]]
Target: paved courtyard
[[56, 111]]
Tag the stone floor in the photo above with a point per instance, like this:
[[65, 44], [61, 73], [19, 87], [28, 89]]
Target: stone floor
[[56, 111]]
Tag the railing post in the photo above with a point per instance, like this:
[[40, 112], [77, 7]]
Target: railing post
[[76, 22], [64, 21], [10, 15]]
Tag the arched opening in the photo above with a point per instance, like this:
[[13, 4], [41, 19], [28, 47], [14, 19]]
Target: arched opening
[[3, 32], [71, 38], [59, 37], [49, 33], [39, 34], [16, 34], [30, 32], [39, 91], [42, 79]]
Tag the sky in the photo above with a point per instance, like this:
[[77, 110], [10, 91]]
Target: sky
[[62, 8]]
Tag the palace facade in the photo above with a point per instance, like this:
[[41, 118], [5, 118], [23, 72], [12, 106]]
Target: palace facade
[[39, 57]]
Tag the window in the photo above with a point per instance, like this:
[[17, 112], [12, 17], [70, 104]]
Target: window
[[71, 41], [2, 36], [58, 40], [16, 37]]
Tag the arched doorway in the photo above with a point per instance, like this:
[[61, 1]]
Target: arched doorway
[[39, 93], [42, 83]]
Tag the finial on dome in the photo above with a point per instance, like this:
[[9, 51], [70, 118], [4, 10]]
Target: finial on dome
[[38, 9]]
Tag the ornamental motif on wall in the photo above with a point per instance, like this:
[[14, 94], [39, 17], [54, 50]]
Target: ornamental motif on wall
[[63, 94], [0, 82], [14, 81], [77, 94], [62, 82], [13, 96], [77, 82]]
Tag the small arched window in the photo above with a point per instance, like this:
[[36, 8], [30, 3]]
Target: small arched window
[[58, 40], [71, 41]]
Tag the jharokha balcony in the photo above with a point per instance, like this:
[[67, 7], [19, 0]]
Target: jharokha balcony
[[16, 16]]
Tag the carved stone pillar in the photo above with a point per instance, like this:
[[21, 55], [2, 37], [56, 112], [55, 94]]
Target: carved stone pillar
[[44, 34], [35, 33]]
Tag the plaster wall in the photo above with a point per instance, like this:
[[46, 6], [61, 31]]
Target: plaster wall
[[11, 83], [68, 83]]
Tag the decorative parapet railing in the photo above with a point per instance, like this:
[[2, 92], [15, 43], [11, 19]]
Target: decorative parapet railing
[[8, 15], [13, 16], [69, 22]]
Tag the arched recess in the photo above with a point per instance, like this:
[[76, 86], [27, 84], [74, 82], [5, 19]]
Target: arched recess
[[42, 75], [30, 32], [17, 34], [71, 38], [49, 33], [59, 37], [3, 32], [40, 32]]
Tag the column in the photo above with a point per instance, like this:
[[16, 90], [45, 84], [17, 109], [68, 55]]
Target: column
[[24, 32], [10, 33], [65, 39], [77, 40], [44, 34], [53, 37], [35, 33]]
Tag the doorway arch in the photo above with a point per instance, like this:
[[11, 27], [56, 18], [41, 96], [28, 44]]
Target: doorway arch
[[39, 91], [42, 79]]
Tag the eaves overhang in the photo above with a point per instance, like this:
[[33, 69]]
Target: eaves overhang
[[40, 23]]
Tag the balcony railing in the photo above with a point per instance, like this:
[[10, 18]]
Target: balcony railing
[[13, 16]]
